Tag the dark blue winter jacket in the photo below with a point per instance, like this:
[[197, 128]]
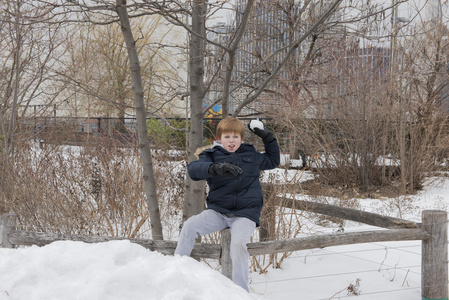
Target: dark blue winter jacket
[[241, 196]]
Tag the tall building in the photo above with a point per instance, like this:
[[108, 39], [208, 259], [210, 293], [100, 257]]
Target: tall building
[[433, 9], [219, 34], [270, 30]]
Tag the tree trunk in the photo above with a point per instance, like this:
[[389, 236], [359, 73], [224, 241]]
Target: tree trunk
[[194, 199], [9, 138], [144, 144]]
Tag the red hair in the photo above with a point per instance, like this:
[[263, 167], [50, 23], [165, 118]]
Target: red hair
[[230, 125]]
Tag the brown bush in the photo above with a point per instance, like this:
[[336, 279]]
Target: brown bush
[[93, 189]]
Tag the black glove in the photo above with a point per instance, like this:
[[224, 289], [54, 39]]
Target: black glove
[[265, 134], [224, 169]]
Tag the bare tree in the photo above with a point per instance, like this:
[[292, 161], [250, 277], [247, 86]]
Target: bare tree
[[109, 12], [99, 77], [197, 13], [422, 90], [318, 24], [30, 54], [193, 17], [370, 114], [229, 46], [136, 78]]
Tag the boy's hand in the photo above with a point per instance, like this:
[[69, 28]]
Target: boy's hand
[[224, 169], [264, 133]]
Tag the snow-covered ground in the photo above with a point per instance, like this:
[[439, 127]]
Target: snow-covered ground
[[107, 271], [122, 270]]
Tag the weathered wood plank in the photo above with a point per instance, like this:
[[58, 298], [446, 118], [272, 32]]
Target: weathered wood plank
[[7, 224], [328, 240], [214, 250], [349, 214], [28, 238], [434, 268], [226, 262]]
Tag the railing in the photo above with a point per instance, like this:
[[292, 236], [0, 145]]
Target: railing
[[433, 231]]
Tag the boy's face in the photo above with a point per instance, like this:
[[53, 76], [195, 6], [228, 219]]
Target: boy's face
[[231, 141]]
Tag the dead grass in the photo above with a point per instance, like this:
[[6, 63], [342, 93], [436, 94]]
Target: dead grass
[[321, 186], [317, 188]]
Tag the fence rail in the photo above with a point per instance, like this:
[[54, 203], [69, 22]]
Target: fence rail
[[349, 214], [433, 232], [328, 240]]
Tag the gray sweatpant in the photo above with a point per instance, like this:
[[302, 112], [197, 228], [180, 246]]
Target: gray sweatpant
[[211, 221]]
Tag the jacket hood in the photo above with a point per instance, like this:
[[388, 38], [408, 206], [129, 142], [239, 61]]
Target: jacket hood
[[201, 149]]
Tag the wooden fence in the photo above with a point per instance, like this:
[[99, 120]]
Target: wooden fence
[[433, 231]]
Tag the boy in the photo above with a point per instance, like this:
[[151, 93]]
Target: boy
[[231, 169]]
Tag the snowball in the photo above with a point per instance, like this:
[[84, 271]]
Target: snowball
[[256, 124]]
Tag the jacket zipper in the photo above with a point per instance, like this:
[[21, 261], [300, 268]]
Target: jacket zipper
[[237, 162]]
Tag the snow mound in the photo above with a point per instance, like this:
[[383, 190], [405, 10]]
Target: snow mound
[[114, 270]]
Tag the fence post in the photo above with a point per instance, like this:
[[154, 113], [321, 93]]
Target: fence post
[[7, 223], [434, 268], [226, 263]]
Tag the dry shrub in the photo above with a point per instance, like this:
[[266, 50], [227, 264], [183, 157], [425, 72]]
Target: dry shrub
[[170, 173], [277, 222], [364, 136], [94, 189], [280, 223], [359, 120]]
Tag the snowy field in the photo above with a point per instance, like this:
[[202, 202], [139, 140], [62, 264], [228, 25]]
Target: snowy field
[[122, 270]]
